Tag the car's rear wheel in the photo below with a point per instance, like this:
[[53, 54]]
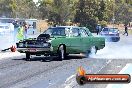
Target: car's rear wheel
[[28, 57], [93, 50], [61, 52]]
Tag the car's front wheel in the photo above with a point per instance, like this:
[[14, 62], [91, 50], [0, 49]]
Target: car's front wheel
[[61, 52]]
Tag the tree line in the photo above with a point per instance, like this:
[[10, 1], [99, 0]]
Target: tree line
[[86, 12]]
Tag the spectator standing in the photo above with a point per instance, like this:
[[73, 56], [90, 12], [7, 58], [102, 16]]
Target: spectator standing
[[126, 30], [98, 28], [15, 23], [20, 34], [25, 26]]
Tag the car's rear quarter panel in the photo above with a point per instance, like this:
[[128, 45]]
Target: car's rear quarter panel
[[99, 42], [93, 41]]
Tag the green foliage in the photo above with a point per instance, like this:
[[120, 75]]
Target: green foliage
[[86, 12], [57, 11], [103, 23], [18, 8], [123, 12], [101, 10], [91, 12]]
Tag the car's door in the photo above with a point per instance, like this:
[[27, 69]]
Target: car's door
[[86, 40], [75, 41]]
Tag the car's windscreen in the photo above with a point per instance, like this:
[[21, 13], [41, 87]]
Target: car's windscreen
[[113, 30], [55, 31], [105, 29]]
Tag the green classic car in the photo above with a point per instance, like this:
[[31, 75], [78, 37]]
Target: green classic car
[[61, 41]]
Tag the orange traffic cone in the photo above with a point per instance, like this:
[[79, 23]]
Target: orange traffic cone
[[13, 48]]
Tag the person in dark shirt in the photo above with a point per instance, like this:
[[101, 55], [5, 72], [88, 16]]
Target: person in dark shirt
[[15, 23], [126, 30], [98, 28]]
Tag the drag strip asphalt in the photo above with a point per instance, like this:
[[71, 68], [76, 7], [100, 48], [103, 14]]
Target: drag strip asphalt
[[15, 72]]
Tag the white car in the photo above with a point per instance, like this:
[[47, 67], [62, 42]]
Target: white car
[[6, 28]]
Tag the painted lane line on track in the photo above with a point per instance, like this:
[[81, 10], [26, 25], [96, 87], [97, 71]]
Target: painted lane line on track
[[103, 66], [126, 70], [70, 82], [70, 77]]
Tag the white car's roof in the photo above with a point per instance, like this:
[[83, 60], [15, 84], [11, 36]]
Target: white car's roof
[[67, 26], [5, 24]]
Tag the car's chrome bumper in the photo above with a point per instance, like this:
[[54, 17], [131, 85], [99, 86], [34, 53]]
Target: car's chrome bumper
[[33, 50]]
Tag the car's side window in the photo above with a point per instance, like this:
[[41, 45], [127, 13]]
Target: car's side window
[[83, 33], [74, 32], [67, 32]]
